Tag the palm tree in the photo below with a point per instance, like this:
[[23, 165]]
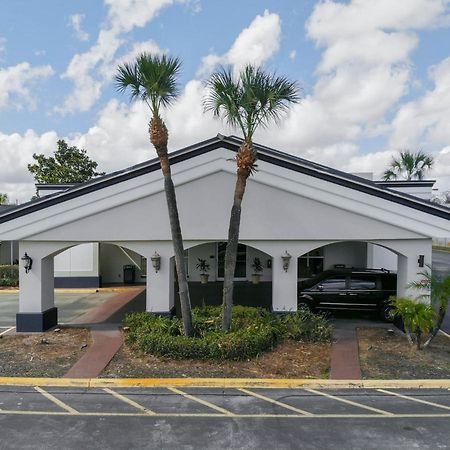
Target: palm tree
[[254, 98], [153, 79], [409, 166]]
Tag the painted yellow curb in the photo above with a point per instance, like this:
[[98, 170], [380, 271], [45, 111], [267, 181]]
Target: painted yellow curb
[[81, 290], [225, 383]]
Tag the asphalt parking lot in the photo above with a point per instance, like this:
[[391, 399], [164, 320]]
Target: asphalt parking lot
[[215, 418]]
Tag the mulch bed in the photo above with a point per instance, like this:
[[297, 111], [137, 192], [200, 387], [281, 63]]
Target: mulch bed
[[386, 354], [288, 360], [49, 354]]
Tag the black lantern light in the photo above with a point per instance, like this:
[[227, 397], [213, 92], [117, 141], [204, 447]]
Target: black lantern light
[[27, 262]]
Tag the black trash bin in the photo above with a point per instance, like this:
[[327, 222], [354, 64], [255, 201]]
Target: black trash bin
[[129, 274]]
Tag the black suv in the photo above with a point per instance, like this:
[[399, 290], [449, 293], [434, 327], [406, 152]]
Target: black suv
[[350, 289]]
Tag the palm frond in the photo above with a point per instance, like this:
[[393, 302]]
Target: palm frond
[[254, 98], [151, 78]]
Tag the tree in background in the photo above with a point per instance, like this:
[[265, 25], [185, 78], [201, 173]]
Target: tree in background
[[3, 199], [68, 165], [253, 99], [409, 166], [153, 79]]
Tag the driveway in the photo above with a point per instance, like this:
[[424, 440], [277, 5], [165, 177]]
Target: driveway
[[211, 418], [69, 305]]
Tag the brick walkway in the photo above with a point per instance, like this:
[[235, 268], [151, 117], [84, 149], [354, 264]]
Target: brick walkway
[[106, 336], [345, 354]]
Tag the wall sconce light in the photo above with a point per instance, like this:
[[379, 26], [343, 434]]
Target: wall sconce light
[[156, 261], [286, 260], [27, 262], [421, 260]]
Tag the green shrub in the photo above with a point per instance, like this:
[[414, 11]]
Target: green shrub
[[418, 318], [306, 326], [254, 331], [9, 275]]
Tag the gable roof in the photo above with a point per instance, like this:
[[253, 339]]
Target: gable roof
[[232, 143]]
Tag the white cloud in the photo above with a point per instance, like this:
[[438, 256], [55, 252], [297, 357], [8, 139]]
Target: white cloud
[[293, 55], [90, 71], [255, 44], [425, 120], [75, 22], [17, 151], [15, 82]]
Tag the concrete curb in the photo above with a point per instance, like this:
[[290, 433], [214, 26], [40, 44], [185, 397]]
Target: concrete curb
[[225, 383], [79, 290]]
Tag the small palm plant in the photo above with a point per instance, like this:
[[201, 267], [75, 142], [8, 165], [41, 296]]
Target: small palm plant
[[153, 79], [437, 290], [418, 318], [251, 100], [203, 267], [409, 166]]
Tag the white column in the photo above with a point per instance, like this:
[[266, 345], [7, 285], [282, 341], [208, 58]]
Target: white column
[[37, 310], [284, 285], [160, 285], [408, 268]]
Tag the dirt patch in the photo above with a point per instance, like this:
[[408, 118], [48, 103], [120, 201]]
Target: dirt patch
[[49, 354], [387, 355], [288, 360]]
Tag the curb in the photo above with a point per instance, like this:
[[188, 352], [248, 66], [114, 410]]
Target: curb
[[225, 383], [79, 290]]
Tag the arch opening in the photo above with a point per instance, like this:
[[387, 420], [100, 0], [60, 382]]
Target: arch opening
[[253, 275]]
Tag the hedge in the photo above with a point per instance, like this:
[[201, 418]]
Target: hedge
[[9, 275], [253, 331]]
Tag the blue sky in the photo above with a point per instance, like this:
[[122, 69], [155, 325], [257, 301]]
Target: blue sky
[[375, 77]]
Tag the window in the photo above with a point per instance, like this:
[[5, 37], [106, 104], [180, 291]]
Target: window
[[241, 260], [332, 284], [362, 283], [310, 264]]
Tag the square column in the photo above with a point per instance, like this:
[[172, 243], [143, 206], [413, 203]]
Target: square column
[[160, 285], [284, 285], [408, 268], [37, 310]]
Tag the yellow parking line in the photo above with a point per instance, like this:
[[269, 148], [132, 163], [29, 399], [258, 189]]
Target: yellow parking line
[[418, 400], [349, 402], [275, 402], [203, 402], [56, 400], [129, 401]]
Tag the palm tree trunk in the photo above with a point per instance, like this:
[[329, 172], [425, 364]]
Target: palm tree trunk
[[159, 138], [435, 330], [232, 246]]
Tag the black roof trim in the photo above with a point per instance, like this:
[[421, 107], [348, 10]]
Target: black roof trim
[[406, 183], [232, 143]]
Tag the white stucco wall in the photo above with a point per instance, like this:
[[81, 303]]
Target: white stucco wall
[[112, 259], [351, 254], [78, 261]]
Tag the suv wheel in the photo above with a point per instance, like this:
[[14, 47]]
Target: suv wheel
[[387, 313], [304, 304]]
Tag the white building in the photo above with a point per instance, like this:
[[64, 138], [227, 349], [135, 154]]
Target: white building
[[320, 216]]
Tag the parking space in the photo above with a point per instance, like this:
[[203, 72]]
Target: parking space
[[232, 402]]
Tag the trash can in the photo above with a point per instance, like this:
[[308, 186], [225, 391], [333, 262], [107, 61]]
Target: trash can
[[129, 274]]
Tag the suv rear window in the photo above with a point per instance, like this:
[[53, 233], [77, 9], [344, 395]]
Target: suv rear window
[[333, 284], [360, 282]]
